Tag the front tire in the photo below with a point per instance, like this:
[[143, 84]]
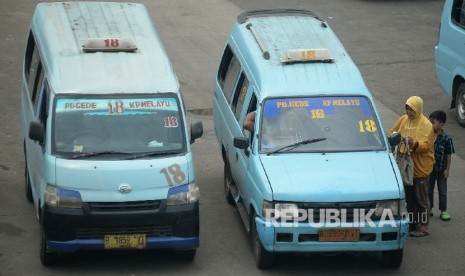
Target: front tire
[[460, 104], [46, 257], [392, 258], [263, 258]]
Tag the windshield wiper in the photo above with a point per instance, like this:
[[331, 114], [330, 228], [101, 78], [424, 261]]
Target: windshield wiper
[[152, 153], [295, 145], [97, 153]]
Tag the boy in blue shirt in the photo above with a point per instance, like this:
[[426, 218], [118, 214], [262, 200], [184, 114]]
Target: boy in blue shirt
[[443, 149]]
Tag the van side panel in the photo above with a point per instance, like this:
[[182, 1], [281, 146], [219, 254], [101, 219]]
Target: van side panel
[[450, 53], [223, 116]]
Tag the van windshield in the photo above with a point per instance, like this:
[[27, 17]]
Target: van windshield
[[115, 124], [337, 123]]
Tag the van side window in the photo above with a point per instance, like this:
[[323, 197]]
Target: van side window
[[458, 13], [252, 108], [239, 95], [29, 56], [229, 70], [32, 74], [39, 78], [33, 70], [43, 107]]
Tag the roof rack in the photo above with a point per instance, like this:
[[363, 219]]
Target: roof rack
[[266, 54], [242, 18]]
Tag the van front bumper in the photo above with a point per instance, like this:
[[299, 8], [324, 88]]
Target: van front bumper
[[303, 237], [174, 227]]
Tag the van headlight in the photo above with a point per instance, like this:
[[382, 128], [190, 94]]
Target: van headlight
[[64, 198], [287, 210], [392, 206], [183, 194], [280, 209]]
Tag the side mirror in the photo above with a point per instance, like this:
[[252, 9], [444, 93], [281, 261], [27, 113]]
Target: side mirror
[[394, 139], [196, 131], [36, 132], [241, 142]]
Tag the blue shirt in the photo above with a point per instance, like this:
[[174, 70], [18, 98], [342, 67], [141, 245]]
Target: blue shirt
[[443, 147]]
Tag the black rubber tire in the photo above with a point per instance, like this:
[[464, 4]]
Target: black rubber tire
[[27, 185], [392, 258], [228, 181], [263, 258], [46, 257], [460, 104], [187, 255]]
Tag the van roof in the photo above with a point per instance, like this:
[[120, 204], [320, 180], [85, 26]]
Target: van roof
[[276, 32], [62, 28]]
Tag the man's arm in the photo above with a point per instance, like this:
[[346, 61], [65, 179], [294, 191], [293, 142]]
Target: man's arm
[[249, 121]]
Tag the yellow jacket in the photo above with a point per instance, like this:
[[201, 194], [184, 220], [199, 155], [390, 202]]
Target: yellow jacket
[[421, 131]]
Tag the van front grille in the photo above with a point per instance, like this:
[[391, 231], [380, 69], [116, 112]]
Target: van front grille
[[347, 211], [147, 205], [100, 232]]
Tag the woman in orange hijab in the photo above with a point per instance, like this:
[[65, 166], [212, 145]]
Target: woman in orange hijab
[[416, 130]]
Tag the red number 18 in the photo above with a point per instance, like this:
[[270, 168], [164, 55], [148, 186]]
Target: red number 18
[[111, 42]]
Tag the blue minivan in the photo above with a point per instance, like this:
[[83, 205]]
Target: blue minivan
[[450, 55], [306, 159], [108, 161]]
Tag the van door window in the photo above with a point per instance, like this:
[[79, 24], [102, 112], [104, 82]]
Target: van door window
[[229, 70], [253, 104], [43, 107], [33, 70], [39, 78], [31, 60], [458, 13], [239, 96], [252, 107]]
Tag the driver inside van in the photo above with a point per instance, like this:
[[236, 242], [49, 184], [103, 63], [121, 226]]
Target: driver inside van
[[282, 130]]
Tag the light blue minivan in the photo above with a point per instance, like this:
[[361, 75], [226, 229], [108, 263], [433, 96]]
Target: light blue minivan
[[450, 55], [108, 161], [312, 170]]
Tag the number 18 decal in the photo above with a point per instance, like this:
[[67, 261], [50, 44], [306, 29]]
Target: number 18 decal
[[173, 173], [318, 114], [367, 125], [171, 121], [117, 108], [114, 42]]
